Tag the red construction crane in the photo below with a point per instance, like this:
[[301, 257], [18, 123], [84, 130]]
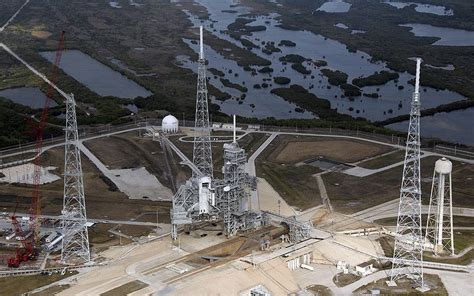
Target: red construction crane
[[30, 242]]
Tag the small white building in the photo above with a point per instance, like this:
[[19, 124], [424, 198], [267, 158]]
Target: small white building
[[170, 124], [365, 269]]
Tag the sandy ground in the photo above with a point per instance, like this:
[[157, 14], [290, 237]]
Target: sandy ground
[[138, 182], [23, 174], [273, 275], [353, 250], [268, 199], [134, 262]]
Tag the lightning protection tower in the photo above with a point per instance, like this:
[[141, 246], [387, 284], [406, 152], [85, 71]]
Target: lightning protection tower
[[439, 226], [75, 244], [408, 249], [202, 154]]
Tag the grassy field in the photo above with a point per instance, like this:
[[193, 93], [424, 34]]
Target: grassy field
[[383, 161], [126, 289], [465, 238], [98, 191], [282, 164], [129, 150], [18, 285], [349, 194]]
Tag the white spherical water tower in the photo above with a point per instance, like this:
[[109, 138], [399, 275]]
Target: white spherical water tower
[[170, 124]]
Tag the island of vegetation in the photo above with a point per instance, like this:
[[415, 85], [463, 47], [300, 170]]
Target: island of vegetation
[[335, 77], [378, 78], [287, 43], [228, 83], [282, 80]]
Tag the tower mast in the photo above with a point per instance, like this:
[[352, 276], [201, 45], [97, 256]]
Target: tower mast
[[202, 153], [75, 244], [408, 249]]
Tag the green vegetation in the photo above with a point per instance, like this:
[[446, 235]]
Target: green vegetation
[[341, 279], [320, 63], [126, 289], [296, 185], [301, 69], [14, 126], [266, 70], [292, 58], [239, 27], [405, 287], [319, 290], [270, 48], [378, 78], [243, 57], [350, 90], [18, 285], [248, 44], [396, 50], [216, 72], [228, 83], [459, 105], [383, 161], [287, 43], [335, 77], [371, 95], [306, 100], [281, 80]]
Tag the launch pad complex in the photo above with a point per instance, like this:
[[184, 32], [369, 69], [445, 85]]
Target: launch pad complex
[[265, 251]]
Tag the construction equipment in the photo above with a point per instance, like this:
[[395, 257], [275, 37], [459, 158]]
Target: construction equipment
[[29, 245]]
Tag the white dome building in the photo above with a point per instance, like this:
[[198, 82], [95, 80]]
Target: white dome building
[[170, 124]]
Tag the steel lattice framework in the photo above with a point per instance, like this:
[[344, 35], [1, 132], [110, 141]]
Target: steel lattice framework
[[75, 244], [202, 153], [439, 225], [408, 250], [236, 190]]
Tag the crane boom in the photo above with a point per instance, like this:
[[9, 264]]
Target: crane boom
[[36, 195], [29, 243]]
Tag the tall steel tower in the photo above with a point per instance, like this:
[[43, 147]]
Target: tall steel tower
[[439, 225], [408, 250], [202, 156], [75, 244]]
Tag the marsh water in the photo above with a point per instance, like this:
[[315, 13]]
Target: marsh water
[[448, 36], [96, 76], [394, 96], [455, 126], [392, 100], [28, 96], [422, 8]]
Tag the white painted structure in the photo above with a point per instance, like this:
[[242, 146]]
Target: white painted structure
[[439, 225], [207, 197], [170, 124]]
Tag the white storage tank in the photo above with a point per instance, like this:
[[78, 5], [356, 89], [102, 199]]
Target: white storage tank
[[170, 124], [443, 166]]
